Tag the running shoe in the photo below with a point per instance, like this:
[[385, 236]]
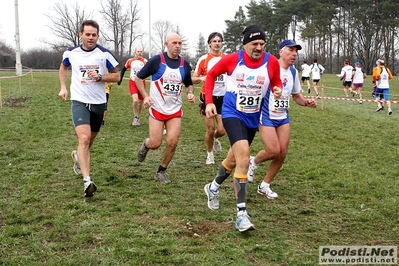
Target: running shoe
[[142, 152], [389, 111], [136, 121], [251, 169], [210, 159], [213, 197], [89, 187], [76, 166], [216, 145], [266, 191], [243, 223], [161, 176]]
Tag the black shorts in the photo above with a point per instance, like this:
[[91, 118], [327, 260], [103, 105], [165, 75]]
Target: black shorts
[[236, 130], [347, 83], [87, 114], [305, 78], [217, 101]]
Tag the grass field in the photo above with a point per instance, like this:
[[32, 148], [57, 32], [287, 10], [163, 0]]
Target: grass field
[[339, 186]]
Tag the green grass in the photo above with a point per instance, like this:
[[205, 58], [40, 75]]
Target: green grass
[[338, 186]]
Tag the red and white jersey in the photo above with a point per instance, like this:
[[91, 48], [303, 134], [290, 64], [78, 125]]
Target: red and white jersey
[[346, 73], [135, 65], [166, 88], [205, 63]]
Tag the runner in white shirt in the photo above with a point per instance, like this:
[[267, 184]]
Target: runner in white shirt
[[274, 127], [346, 75], [358, 80], [92, 66], [305, 70]]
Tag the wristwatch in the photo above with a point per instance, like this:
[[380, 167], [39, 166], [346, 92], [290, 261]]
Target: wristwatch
[[100, 77]]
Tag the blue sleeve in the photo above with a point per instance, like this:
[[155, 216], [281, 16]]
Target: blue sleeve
[[150, 68], [187, 79]]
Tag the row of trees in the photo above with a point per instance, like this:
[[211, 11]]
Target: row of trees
[[329, 30]]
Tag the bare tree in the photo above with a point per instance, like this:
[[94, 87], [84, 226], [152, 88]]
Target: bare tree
[[122, 25], [162, 28], [116, 22], [65, 25], [134, 18]]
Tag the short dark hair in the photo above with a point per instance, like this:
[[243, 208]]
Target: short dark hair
[[213, 35], [89, 23], [315, 60]]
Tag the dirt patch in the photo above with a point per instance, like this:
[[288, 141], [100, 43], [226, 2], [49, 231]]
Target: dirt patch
[[15, 102]]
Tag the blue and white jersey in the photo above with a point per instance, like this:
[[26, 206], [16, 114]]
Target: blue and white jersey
[[83, 88], [278, 109]]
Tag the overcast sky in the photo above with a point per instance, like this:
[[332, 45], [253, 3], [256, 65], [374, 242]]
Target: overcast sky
[[193, 17]]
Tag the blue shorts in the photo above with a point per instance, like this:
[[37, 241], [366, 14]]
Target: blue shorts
[[384, 91], [236, 130], [267, 122], [87, 114]]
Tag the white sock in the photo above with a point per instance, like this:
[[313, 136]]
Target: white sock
[[264, 184], [214, 186]]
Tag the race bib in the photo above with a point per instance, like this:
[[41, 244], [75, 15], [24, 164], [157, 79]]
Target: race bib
[[84, 77], [171, 89], [281, 105], [248, 101]]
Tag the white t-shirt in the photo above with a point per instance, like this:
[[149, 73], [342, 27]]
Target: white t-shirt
[[83, 88], [316, 70], [305, 69], [358, 77]]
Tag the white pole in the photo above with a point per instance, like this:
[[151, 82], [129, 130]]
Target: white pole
[[18, 65], [149, 29]]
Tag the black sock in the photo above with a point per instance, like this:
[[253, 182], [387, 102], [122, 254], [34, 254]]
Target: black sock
[[161, 169]]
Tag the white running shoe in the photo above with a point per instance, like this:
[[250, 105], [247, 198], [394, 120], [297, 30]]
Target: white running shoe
[[389, 111], [76, 166], [210, 159], [266, 191], [89, 187], [251, 169], [216, 145], [136, 121], [213, 197], [243, 223]]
